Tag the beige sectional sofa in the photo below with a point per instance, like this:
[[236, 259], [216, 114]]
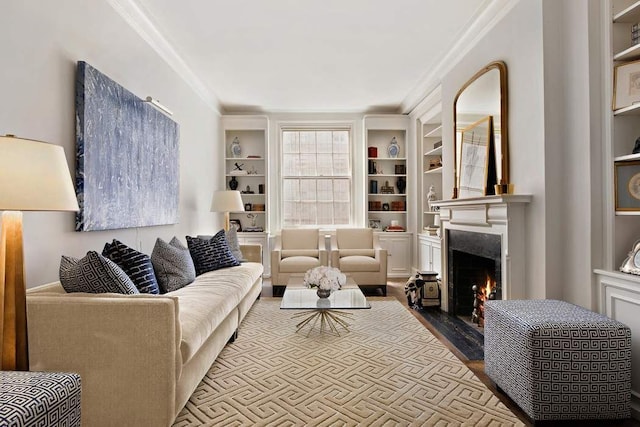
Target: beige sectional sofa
[[140, 356]]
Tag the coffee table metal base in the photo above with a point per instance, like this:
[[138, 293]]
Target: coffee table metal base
[[329, 320]]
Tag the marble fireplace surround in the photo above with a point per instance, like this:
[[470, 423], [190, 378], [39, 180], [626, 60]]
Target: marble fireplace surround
[[503, 215]]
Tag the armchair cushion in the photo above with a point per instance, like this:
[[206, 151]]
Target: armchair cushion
[[299, 238], [298, 264], [357, 252], [286, 253], [357, 263], [354, 238]]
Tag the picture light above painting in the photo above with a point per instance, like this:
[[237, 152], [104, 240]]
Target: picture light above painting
[[127, 157]]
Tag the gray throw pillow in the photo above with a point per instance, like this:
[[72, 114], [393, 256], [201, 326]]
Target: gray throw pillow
[[94, 274], [173, 265], [234, 245]]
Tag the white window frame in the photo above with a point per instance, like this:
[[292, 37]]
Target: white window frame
[[317, 126]]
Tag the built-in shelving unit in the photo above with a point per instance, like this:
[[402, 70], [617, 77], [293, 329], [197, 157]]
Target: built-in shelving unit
[[386, 162], [247, 172], [430, 145], [388, 169]]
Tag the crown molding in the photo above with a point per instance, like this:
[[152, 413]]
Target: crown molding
[[138, 20], [487, 16], [428, 106]]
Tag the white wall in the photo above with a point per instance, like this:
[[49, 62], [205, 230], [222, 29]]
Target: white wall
[[516, 40], [42, 41], [546, 47]]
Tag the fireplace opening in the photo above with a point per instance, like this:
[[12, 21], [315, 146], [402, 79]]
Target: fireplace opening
[[474, 259]]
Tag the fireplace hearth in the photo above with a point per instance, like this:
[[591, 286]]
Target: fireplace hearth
[[474, 261]]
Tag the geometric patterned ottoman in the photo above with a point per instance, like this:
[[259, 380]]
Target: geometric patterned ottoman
[[39, 399], [558, 361]]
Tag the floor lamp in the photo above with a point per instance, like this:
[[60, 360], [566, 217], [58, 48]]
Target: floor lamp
[[34, 176], [227, 201]]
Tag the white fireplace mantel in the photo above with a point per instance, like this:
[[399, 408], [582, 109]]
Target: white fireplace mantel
[[503, 215]]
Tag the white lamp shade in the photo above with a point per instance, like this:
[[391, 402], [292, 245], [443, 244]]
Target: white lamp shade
[[34, 176], [227, 201]]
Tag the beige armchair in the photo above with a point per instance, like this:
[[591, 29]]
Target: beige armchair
[[295, 252], [356, 253]]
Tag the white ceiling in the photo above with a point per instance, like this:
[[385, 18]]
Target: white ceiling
[[310, 55]]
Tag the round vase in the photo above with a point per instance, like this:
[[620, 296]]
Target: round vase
[[323, 293], [233, 184]]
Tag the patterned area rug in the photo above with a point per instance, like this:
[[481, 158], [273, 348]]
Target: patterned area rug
[[389, 370]]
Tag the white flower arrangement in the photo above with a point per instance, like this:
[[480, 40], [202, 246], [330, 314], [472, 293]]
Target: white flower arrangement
[[324, 278]]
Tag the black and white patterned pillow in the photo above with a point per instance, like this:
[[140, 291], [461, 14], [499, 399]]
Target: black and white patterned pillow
[[94, 274], [212, 254], [232, 240], [136, 264], [173, 265]]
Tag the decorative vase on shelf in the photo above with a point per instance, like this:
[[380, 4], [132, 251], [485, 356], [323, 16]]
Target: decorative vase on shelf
[[236, 150], [401, 183], [323, 293], [233, 184], [394, 148]]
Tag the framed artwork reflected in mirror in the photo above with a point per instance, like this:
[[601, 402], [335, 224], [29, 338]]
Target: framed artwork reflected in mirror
[[475, 152]]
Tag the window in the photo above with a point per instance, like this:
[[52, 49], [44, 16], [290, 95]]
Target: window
[[316, 175]]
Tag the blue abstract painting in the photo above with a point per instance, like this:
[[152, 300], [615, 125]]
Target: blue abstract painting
[[127, 157]]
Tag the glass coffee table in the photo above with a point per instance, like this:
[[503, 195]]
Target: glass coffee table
[[328, 313]]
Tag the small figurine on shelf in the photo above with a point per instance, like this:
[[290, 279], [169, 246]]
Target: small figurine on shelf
[[252, 217], [432, 197], [636, 147]]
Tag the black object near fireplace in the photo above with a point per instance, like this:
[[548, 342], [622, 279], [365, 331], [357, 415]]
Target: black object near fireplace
[[473, 259]]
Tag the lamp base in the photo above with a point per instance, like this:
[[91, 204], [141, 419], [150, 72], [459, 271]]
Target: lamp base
[[13, 302]]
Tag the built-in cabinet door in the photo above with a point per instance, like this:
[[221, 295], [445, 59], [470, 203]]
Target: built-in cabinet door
[[398, 246], [430, 255], [436, 257]]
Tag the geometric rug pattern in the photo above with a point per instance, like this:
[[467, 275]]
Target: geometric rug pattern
[[389, 370]]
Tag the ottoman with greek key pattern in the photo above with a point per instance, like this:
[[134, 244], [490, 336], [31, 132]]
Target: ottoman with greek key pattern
[[558, 361], [39, 399]]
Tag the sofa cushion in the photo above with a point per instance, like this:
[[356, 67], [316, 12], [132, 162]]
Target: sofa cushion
[[212, 254], [298, 264], [136, 264], [94, 274], [172, 264], [209, 300], [357, 263]]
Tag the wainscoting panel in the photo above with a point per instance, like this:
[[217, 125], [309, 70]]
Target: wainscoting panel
[[620, 300]]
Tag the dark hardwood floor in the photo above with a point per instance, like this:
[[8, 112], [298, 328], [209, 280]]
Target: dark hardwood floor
[[395, 289]]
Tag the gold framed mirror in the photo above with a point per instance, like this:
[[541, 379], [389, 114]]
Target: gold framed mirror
[[484, 95]]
